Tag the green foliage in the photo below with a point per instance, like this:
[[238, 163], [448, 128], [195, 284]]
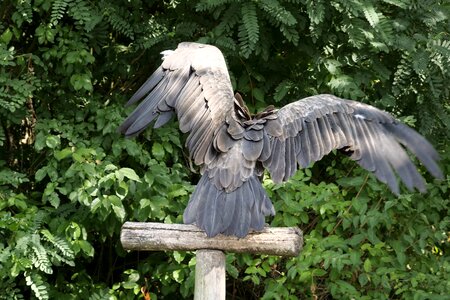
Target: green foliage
[[68, 181]]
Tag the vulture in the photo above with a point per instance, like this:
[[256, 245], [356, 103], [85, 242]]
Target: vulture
[[232, 147]]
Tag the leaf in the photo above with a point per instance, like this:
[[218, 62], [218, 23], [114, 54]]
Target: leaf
[[289, 220], [400, 251], [351, 181], [367, 265], [319, 272], [363, 279], [258, 94], [66, 152], [54, 200], [117, 207], [81, 81], [355, 258], [52, 141], [178, 256], [232, 271], [40, 174], [129, 173], [6, 36], [86, 247], [158, 151]]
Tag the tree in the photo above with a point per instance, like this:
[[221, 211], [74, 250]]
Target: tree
[[68, 180]]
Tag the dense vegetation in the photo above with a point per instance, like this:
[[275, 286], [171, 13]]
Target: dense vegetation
[[68, 181]]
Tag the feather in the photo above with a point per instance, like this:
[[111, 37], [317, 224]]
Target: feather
[[274, 128], [235, 129], [202, 146], [163, 118], [190, 114], [148, 85], [252, 150], [199, 195], [212, 219], [326, 136], [223, 141], [288, 159], [257, 217], [253, 135], [279, 162], [306, 145], [418, 145], [226, 178], [228, 210], [367, 144], [266, 149]]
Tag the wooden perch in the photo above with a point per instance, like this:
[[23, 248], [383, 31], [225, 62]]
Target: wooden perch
[[210, 268], [283, 241]]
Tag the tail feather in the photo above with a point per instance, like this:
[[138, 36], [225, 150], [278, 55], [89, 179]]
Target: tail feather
[[234, 213]]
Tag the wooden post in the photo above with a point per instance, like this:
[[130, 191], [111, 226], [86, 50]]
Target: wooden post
[[210, 268], [209, 275]]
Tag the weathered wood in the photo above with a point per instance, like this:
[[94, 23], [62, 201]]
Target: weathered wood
[[283, 241], [210, 275]]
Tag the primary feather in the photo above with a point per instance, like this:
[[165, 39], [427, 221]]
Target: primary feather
[[232, 147]]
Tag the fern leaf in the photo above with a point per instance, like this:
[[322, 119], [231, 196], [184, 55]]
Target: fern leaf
[[282, 90], [386, 30], [402, 75], [186, 29], [84, 14], [420, 62], [22, 244], [226, 43], [118, 22], [38, 286], [371, 15], [36, 223], [433, 15], [345, 86], [9, 289], [209, 5], [59, 243], [59, 8], [290, 33], [440, 54], [250, 21], [436, 84], [316, 11], [356, 35], [405, 42], [229, 19], [398, 3], [39, 256], [277, 12], [24, 13], [249, 29]]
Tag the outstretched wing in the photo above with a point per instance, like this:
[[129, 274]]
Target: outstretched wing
[[310, 128], [193, 82]]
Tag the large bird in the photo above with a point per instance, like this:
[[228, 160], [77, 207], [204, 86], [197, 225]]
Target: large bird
[[232, 146]]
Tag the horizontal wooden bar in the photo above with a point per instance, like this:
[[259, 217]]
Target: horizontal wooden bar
[[147, 236]]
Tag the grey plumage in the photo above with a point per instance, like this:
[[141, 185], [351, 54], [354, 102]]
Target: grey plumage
[[232, 146]]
